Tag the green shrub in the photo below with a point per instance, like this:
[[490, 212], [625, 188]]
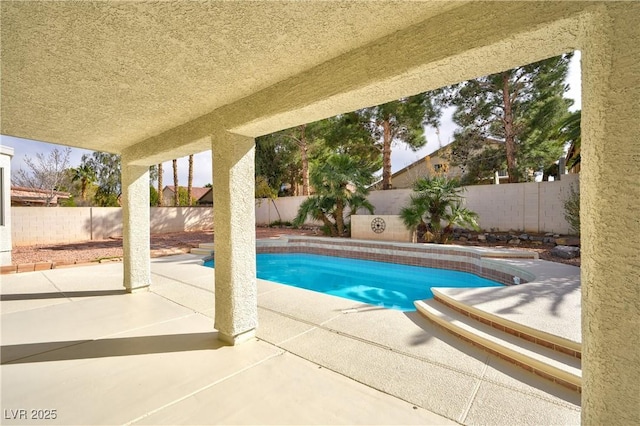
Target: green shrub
[[572, 210]]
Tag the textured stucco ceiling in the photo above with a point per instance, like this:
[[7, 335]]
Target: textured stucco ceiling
[[106, 75]]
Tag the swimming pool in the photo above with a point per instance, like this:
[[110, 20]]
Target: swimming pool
[[389, 285]]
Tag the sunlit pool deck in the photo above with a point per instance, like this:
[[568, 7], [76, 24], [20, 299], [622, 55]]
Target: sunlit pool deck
[[74, 342]]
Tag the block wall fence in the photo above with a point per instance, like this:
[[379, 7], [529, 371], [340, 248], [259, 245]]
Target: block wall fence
[[529, 207], [44, 225]]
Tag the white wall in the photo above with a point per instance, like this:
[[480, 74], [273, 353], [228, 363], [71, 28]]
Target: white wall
[[5, 205], [42, 225]]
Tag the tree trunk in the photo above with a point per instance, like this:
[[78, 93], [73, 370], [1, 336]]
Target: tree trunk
[[176, 196], [339, 218], [83, 188], [304, 157], [509, 136], [190, 180], [330, 225], [160, 194], [386, 154]]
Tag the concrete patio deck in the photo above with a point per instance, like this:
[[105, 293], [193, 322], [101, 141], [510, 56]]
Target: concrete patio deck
[[74, 342]]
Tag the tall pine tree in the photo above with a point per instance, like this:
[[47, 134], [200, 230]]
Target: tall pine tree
[[401, 121], [521, 107]]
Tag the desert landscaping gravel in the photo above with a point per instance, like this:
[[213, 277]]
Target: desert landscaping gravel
[[182, 242]]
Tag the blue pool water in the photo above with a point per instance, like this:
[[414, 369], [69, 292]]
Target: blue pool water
[[377, 283]]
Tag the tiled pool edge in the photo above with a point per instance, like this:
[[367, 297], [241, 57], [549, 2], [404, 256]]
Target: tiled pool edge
[[456, 258]]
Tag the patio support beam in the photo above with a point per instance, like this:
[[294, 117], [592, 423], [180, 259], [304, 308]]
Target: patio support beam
[[135, 227], [236, 303], [610, 216]]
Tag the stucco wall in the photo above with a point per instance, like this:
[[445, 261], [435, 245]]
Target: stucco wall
[[42, 225], [362, 227]]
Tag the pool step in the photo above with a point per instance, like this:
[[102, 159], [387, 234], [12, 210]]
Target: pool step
[[204, 249], [548, 363]]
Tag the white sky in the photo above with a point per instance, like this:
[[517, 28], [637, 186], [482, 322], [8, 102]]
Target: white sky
[[400, 157]]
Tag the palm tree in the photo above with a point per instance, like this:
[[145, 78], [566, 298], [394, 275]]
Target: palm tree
[[86, 175], [176, 197], [160, 194], [437, 200], [341, 184], [190, 181]]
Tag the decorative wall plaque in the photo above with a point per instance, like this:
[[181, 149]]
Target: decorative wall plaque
[[378, 225]]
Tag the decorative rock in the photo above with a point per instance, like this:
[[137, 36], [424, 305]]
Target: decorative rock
[[565, 252], [503, 238], [549, 240], [568, 241], [463, 239], [492, 238], [482, 237], [524, 237], [549, 234], [514, 241]]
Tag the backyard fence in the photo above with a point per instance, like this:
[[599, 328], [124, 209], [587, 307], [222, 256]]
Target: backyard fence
[[44, 225], [529, 207]]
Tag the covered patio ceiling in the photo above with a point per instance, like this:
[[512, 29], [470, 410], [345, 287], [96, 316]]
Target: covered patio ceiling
[[156, 81], [106, 75]]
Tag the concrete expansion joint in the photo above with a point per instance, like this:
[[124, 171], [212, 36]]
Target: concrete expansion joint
[[474, 392], [480, 378], [204, 388], [182, 282], [129, 330]]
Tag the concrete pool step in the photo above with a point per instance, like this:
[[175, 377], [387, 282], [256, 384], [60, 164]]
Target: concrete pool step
[[548, 363], [203, 249], [544, 334]]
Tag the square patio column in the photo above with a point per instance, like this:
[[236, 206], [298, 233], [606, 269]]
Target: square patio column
[[610, 216], [236, 302], [135, 227]]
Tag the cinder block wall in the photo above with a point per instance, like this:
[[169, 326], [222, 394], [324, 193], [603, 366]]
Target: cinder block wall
[[46, 225], [530, 207], [285, 209]]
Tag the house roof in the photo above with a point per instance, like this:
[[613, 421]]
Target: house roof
[[21, 194], [196, 191], [438, 152]]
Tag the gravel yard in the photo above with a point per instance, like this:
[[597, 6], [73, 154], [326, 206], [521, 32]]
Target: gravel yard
[[182, 242]]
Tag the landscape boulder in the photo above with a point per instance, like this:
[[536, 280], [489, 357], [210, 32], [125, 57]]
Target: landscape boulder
[[565, 252]]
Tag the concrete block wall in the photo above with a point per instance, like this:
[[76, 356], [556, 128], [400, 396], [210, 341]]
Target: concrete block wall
[[530, 207], [179, 219], [285, 209], [43, 225], [60, 225]]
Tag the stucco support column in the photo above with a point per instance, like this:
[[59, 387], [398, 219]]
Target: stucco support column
[[135, 227], [236, 306], [610, 217]]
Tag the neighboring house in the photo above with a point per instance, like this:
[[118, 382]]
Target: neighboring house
[[21, 196], [573, 158], [196, 192], [207, 198], [436, 163]]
